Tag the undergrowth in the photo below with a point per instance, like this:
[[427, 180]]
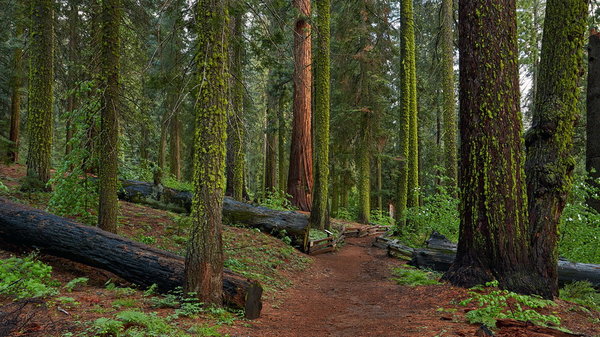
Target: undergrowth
[[411, 276], [582, 293], [500, 304], [26, 278]]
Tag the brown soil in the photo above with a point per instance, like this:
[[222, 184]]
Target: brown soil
[[350, 293], [346, 293]]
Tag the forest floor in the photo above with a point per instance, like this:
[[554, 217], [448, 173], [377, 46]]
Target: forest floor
[[350, 292]]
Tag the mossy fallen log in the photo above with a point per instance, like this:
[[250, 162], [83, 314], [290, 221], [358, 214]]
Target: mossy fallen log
[[277, 223], [440, 253], [133, 261]]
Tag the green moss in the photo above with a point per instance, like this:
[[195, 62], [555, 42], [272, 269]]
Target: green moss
[[321, 119]]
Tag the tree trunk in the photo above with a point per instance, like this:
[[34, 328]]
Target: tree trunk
[[449, 115], [41, 90], [175, 150], [236, 149], [277, 223], [72, 72], [363, 163], [494, 241], [319, 216], [409, 168], [549, 141], [133, 261], [300, 177], [270, 182], [15, 101], [162, 148], [440, 253], [592, 154], [204, 256], [281, 131], [109, 116]]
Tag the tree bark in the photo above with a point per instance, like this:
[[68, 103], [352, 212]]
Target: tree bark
[[409, 167], [449, 115], [204, 256], [135, 262], [300, 177], [319, 216], [41, 90], [494, 230], [592, 154], [270, 182], [277, 223], [109, 116], [549, 141], [15, 101], [440, 253]]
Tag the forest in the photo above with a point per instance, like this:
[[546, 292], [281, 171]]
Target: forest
[[299, 168]]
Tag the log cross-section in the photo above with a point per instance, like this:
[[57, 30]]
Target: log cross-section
[[135, 262]]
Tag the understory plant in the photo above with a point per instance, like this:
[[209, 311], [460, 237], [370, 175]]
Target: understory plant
[[276, 200], [493, 304], [26, 278], [411, 276], [582, 293]]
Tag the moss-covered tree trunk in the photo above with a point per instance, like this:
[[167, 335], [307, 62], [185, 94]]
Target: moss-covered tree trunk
[[41, 90], [300, 177], [281, 135], [408, 140], [15, 99], [204, 257], [175, 144], [549, 141], [592, 155], [72, 70], [494, 236], [270, 181], [235, 127], [449, 114], [109, 115], [319, 214]]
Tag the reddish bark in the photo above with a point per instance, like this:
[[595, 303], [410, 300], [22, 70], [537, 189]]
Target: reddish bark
[[300, 178]]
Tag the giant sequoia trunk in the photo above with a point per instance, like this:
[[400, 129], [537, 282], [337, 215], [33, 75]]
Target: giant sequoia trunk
[[300, 177], [277, 223], [549, 141], [133, 261], [494, 237], [592, 155]]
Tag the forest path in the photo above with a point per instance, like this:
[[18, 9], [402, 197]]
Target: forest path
[[351, 293]]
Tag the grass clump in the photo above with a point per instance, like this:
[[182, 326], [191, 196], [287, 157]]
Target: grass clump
[[410, 276]]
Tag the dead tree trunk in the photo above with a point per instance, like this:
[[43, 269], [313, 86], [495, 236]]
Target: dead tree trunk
[[133, 261], [440, 253], [277, 223]]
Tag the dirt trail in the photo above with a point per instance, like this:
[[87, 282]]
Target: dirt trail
[[349, 293]]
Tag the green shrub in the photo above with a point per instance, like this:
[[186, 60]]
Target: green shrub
[[582, 293], [410, 276], [438, 213], [276, 200], [500, 304], [579, 227], [25, 278]]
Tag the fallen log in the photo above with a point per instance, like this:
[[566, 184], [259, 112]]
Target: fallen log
[[440, 253], [134, 262], [277, 223]]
